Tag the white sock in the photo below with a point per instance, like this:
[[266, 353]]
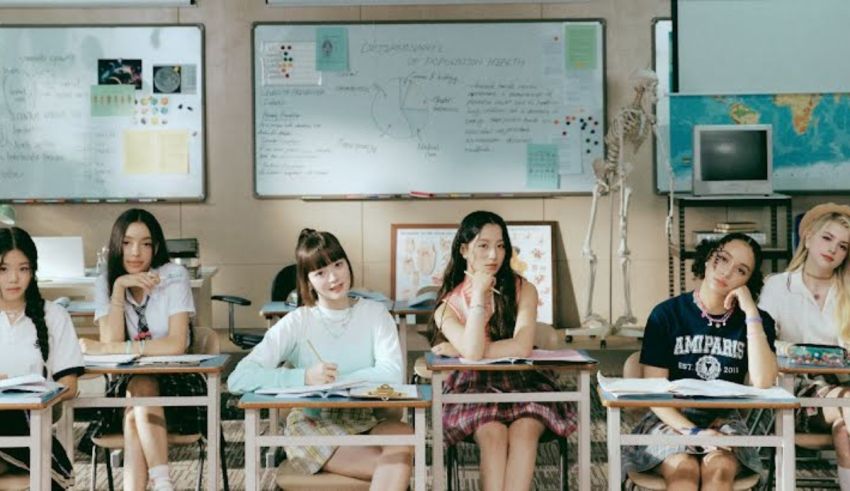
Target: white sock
[[844, 478], [160, 478]]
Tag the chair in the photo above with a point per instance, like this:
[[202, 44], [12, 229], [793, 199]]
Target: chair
[[282, 286], [204, 341], [651, 480]]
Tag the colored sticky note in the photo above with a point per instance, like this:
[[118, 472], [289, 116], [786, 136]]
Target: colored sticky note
[[112, 100], [156, 151], [542, 166], [331, 49], [581, 47]]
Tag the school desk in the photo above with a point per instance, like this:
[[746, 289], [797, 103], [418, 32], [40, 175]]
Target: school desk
[[40, 439], [440, 367], [211, 368], [254, 441], [783, 440]]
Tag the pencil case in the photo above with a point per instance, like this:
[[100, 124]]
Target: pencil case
[[822, 355]]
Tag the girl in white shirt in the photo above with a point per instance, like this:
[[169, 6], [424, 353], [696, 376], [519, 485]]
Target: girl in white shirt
[[143, 305], [36, 336], [811, 304], [356, 340]]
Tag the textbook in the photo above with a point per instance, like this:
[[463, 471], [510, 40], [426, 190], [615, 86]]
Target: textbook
[[27, 388], [537, 357], [637, 388], [339, 389]]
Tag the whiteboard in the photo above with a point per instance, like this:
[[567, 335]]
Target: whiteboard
[[437, 109], [762, 46], [101, 113]]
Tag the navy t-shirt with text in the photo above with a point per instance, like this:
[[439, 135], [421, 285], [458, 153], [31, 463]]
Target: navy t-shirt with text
[[679, 339]]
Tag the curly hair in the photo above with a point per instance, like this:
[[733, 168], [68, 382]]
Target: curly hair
[[708, 248]]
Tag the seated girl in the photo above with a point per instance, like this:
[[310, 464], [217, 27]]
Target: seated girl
[[474, 322], [811, 304], [36, 336], [143, 305], [713, 332], [332, 338]]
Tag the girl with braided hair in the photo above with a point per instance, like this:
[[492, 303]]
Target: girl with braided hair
[[36, 336]]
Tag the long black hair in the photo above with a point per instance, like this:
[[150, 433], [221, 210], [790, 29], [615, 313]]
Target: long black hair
[[503, 321], [17, 239], [115, 261], [708, 248]]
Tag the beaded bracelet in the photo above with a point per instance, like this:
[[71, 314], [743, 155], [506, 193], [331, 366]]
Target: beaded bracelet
[[754, 320], [477, 307]]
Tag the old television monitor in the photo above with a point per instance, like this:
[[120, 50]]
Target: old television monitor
[[733, 159]]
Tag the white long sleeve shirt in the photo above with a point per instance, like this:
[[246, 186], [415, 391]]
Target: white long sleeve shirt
[[362, 341]]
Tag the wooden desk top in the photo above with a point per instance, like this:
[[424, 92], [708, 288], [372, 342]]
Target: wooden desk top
[[212, 365], [442, 364], [786, 366], [257, 401], [667, 400], [8, 402]]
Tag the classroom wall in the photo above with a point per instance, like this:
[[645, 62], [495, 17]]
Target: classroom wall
[[250, 240]]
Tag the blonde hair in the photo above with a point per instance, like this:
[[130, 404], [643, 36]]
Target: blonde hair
[[840, 275]]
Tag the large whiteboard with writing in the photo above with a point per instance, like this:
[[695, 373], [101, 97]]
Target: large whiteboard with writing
[[101, 113], [363, 110]]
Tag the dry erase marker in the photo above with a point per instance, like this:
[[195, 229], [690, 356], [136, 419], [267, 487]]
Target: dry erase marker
[[421, 194]]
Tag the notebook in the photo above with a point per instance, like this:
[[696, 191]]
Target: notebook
[[60, 257]]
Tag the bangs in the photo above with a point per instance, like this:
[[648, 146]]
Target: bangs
[[321, 255]]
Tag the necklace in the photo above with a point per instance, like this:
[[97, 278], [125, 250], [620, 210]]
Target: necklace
[[713, 320], [14, 315], [335, 321], [822, 278]]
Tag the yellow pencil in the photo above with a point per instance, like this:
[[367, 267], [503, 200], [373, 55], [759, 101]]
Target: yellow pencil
[[315, 351], [497, 292]]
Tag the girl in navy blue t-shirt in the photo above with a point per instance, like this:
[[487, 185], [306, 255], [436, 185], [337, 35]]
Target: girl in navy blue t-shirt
[[714, 332]]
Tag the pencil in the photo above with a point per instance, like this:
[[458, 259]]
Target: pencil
[[497, 292], [315, 351]]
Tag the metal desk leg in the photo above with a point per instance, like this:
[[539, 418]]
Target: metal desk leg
[[252, 451], [213, 428], [40, 448], [584, 430], [419, 452], [786, 454], [614, 477], [437, 467]]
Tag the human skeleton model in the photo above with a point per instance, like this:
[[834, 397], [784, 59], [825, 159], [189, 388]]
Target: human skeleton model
[[631, 125]]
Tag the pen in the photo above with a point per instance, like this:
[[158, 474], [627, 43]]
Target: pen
[[315, 352], [497, 292]]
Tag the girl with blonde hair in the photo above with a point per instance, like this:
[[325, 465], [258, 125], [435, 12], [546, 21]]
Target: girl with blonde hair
[[810, 302]]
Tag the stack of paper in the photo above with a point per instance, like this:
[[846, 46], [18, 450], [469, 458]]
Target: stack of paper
[[28, 384], [174, 359]]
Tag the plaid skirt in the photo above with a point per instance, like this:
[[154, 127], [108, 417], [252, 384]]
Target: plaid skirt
[[182, 420], [461, 420], [728, 422], [17, 423], [326, 422]]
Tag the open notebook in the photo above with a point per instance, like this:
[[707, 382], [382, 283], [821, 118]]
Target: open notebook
[[637, 388], [537, 357]]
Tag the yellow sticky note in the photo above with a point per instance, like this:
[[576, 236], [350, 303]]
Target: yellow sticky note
[[156, 152]]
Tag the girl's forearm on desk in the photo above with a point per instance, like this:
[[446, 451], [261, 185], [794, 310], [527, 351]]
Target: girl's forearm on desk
[[250, 376]]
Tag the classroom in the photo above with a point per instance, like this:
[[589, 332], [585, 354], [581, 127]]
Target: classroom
[[238, 124]]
